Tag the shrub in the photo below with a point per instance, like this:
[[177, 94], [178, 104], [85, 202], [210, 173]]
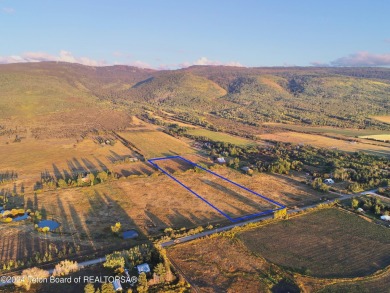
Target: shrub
[[65, 267], [28, 276], [116, 228]]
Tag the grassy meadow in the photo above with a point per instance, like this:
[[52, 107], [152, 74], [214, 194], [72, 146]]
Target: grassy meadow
[[220, 136], [154, 143]]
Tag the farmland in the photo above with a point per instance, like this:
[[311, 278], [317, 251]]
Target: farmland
[[327, 142], [58, 157], [326, 130], [146, 203], [326, 243], [385, 119], [154, 143], [380, 137], [220, 136], [229, 198]]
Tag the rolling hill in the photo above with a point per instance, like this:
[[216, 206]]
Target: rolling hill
[[50, 93]]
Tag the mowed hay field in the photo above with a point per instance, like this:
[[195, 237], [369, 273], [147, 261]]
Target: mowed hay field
[[333, 243], [154, 143], [220, 136], [326, 142], [326, 243], [379, 137]]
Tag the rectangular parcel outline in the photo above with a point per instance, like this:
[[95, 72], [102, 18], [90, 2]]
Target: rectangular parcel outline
[[236, 219]]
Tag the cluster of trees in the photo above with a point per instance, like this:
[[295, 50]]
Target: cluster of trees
[[372, 204], [131, 257], [144, 253], [104, 288], [52, 252], [385, 191], [77, 180], [171, 233], [362, 170], [8, 176], [318, 184]]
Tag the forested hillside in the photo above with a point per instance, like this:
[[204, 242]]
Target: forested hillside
[[341, 97]]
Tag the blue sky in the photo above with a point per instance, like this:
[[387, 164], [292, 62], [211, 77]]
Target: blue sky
[[172, 34]]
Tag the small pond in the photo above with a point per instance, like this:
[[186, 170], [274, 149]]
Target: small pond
[[49, 223], [20, 218], [130, 234]]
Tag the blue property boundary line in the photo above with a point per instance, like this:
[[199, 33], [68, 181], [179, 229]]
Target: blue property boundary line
[[280, 206]]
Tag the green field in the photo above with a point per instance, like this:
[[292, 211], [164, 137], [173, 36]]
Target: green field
[[219, 136], [329, 130], [153, 143], [327, 243], [379, 137]]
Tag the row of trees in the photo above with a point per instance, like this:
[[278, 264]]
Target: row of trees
[[78, 180], [371, 204]]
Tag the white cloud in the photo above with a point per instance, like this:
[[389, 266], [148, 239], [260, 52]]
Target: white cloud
[[140, 64], [206, 61], [66, 56], [8, 10], [363, 59], [63, 56]]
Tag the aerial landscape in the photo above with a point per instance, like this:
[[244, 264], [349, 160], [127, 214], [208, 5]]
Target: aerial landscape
[[257, 169]]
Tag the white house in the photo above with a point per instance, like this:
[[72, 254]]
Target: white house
[[221, 160], [329, 181], [143, 268], [117, 285], [385, 218]]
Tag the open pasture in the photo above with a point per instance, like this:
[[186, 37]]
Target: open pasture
[[154, 143], [379, 137], [384, 119], [219, 192], [220, 136], [327, 142], [59, 158], [326, 130]]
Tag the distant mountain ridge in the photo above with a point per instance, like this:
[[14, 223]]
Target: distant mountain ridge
[[333, 96]]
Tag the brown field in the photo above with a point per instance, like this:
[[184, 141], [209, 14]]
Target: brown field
[[326, 142], [380, 284], [329, 243], [345, 246], [148, 204], [220, 265], [59, 157], [385, 119], [227, 197], [154, 143]]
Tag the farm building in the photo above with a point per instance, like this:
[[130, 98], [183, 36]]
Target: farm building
[[246, 169], [385, 218], [360, 210], [221, 160], [117, 285], [143, 268], [329, 181]]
